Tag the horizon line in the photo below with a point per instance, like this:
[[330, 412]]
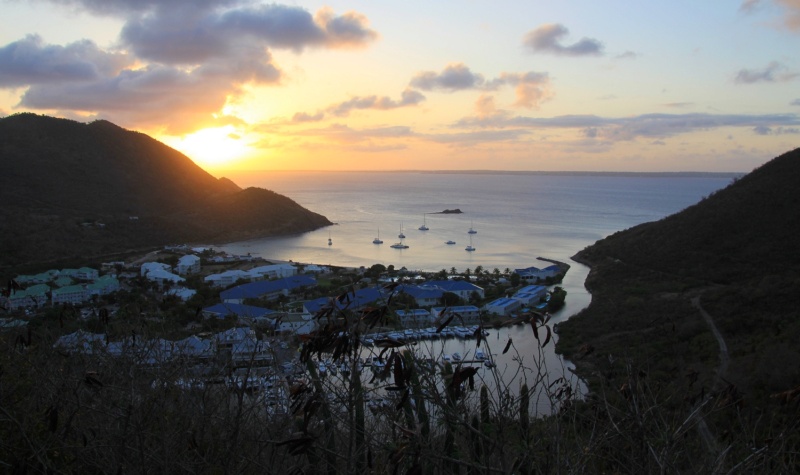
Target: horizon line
[[499, 172]]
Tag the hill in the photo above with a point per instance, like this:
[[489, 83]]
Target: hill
[[75, 190], [732, 262]]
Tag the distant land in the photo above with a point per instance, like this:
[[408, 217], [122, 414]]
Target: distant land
[[682, 174], [78, 192]]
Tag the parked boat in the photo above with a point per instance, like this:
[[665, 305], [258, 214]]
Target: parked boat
[[471, 229], [456, 356], [377, 240], [449, 242], [401, 235], [399, 245], [480, 355], [470, 247], [424, 226]]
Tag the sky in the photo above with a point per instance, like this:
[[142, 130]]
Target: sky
[[550, 85]]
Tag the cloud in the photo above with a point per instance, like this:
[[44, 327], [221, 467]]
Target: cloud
[[304, 117], [531, 88], [749, 6], [145, 96], [546, 39], [408, 98], [184, 60], [29, 61], [764, 130], [790, 11], [773, 72], [471, 138], [627, 55], [679, 105], [653, 126], [454, 77]]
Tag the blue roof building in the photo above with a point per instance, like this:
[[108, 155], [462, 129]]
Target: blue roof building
[[269, 289], [223, 310], [357, 300]]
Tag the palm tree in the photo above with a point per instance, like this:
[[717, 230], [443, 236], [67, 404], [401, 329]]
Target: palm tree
[[453, 271], [496, 272], [478, 270]]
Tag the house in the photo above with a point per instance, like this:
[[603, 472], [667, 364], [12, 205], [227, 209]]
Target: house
[[81, 342], [229, 277], [71, 294], [267, 289], [414, 317], [503, 306], [103, 285], [188, 264], [194, 348], [33, 296], [533, 274], [40, 278], [467, 313], [162, 276], [273, 271], [300, 323], [84, 273], [531, 295], [224, 310], [148, 267], [315, 269], [462, 288], [351, 301], [423, 296], [182, 293]]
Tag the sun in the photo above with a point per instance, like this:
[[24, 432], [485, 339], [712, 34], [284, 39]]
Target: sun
[[211, 147]]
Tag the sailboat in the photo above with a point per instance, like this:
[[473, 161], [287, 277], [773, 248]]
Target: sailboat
[[469, 248], [401, 235], [471, 229], [424, 226], [330, 242], [377, 240]]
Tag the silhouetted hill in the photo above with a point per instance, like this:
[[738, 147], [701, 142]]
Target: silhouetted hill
[[77, 190], [738, 252]]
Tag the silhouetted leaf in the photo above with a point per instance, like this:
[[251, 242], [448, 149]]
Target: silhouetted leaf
[[547, 338], [508, 345]]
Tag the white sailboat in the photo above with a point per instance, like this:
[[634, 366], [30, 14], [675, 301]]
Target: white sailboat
[[424, 226], [471, 229], [330, 242], [470, 247], [401, 235], [377, 240]]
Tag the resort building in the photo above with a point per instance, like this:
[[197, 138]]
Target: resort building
[[351, 301], [462, 288], [531, 295], [533, 274], [235, 310], [424, 296], [227, 278], [188, 264], [503, 306], [274, 271], [417, 316], [467, 313], [33, 296], [71, 294], [267, 289]]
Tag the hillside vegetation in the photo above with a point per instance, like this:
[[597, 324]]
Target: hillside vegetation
[[80, 190]]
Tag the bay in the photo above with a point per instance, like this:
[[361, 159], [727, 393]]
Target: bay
[[518, 218]]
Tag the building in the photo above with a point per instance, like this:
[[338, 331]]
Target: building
[[417, 316], [103, 285], [274, 271], [350, 301], [531, 295], [462, 288], [188, 264], [465, 313], [33, 296], [503, 306], [227, 278], [148, 267], [235, 310], [71, 294], [534, 274], [267, 289], [423, 296]]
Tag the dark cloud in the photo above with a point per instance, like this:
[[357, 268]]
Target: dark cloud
[[471, 138], [454, 77], [773, 72], [191, 57], [29, 61], [408, 98], [547, 39], [531, 88], [647, 125], [764, 130]]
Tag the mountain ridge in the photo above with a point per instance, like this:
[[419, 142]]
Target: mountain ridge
[[75, 189]]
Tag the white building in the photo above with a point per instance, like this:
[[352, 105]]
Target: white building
[[413, 317], [162, 276], [503, 306], [466, 312], [71, 294], [273, 271], [188, 264], [227, 278], [148, 267]]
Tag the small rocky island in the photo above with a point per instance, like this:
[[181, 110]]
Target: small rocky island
[[450, 211]]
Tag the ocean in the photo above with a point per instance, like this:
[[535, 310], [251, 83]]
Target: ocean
[[518, 218]]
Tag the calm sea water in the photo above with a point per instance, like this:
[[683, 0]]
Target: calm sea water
[[518, 217]]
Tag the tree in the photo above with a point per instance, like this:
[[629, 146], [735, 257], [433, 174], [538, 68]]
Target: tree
[[496, 272], [478, 271], [453, 271], [515, 278], [450, 299]]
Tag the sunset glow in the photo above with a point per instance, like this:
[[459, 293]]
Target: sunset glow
[[535, 85]]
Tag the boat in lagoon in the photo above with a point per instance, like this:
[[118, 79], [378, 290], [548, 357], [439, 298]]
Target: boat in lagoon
[[424, 226], [471, 229], [470, 247], [480, 355], [449, 242], [401, 235], [377, 240], [456, 356], [399, 245]]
